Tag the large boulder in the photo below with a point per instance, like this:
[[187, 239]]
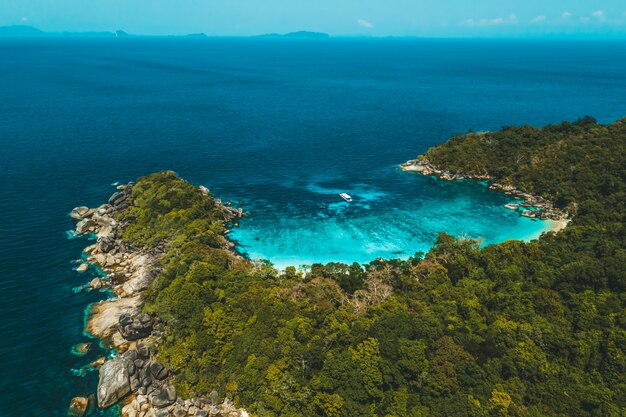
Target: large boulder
[[95, 283], [85, 225], [163, 397], [143, 352], [158, 371], [80, 213], [114, 382], [106, 244], [118, 199]]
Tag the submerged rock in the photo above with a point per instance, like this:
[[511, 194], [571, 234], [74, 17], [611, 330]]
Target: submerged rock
[[98, 362], [114, 382], [78, 406], [81, 349]]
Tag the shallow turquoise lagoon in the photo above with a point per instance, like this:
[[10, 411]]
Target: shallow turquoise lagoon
[[394, 216]]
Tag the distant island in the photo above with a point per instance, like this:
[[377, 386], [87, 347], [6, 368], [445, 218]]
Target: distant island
[[23, 31], [295, 35], [20, 31], [512, 329]]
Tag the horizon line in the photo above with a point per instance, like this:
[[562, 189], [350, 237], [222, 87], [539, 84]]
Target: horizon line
[[307, 35]]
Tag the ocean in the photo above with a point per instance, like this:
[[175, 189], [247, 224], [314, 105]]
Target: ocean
[[278, 127]]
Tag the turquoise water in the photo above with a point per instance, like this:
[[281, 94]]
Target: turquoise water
[[394, 215], [278, 127]]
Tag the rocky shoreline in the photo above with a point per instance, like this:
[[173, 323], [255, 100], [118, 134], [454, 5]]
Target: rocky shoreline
[[133, 377], [530, 205]]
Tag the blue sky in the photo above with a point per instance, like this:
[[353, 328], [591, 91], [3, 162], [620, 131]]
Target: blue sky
[[442, 18]]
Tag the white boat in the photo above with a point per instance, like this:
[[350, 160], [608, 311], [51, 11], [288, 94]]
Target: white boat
[[345, 197]]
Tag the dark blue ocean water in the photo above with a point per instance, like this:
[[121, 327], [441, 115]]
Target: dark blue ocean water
[[279, 127]]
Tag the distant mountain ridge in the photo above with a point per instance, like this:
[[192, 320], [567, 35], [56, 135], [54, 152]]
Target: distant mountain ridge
[[30, 31], [303, 34], [20, 31]]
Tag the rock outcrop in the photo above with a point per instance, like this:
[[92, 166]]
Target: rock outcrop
[[141, 406], [424, 167], [114, 382], [134, 327], [134, 376], [80, 213], [542, 208]]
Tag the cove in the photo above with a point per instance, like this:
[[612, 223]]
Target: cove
[[392, 216]]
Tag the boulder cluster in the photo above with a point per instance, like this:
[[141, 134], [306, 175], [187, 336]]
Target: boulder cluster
[[134, 378], [542, 209], [140, 406], [134, 371], [152, 394], [135, 326], [424, 167], [230, 213], [133, 268]]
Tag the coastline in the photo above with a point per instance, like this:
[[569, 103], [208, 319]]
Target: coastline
[[556, 225], [132, 377], [120, 325], [528, 205]]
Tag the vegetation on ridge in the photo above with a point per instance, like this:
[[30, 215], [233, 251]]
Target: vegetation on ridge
[[514, 329], [564, 162]]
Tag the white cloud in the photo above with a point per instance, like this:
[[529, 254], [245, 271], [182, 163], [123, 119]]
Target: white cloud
[[498, 21], [584, 19], [566, 15], [538, 19], [599, 14], [364, 23], [24, 19]]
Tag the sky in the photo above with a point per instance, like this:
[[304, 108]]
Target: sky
[[426, 18]]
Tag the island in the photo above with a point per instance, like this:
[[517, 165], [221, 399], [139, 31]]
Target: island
[[300, 35], [516, 328]]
